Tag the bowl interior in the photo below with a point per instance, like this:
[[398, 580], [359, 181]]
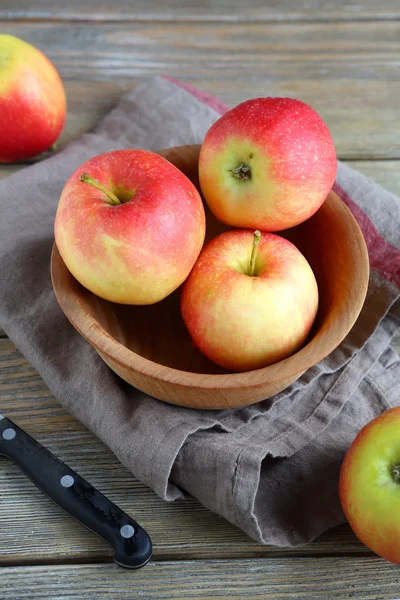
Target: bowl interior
[[330, 240]]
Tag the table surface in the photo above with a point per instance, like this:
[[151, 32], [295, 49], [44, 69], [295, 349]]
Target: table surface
[[342, 57]]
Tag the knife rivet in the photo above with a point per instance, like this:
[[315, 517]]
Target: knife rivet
[[9, 434], [67, 481], [127, 531]]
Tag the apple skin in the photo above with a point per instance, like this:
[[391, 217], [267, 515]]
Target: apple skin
[[137, 252], [292, 162], [32, 100], [242, 322], [369, 494]]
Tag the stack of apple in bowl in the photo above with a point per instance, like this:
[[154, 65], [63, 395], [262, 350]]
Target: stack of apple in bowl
[[235, 320]]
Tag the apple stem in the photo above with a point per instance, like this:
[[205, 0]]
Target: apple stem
[[256, 241], [112, 198], [243, 172], [395, 470]]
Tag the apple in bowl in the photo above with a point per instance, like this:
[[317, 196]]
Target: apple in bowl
[[250, 300], [269, 163], [150, 346], [130, 226]]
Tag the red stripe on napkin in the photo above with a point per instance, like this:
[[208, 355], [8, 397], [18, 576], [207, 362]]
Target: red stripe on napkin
[[211, 101], [383, 257]]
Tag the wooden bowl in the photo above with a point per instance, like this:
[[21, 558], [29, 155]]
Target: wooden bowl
[[150, 348]]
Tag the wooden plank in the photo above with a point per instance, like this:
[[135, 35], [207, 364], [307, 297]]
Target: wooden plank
[[347, 71], [335, 578], [384, 172], [192, 10], [34, 530]]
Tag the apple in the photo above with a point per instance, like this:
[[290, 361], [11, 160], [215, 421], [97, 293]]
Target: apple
[[267, 164], [32, 100], [250, 300], [369, 486], [130, 226]]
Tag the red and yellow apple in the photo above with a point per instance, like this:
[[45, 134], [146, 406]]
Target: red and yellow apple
[[268, 163], [250, 300], [130, 226], [32, 100], [369, 485]]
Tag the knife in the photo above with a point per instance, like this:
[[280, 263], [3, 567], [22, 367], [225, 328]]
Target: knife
[[131, 543]]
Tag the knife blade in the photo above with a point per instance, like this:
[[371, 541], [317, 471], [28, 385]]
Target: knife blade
[[131, 543]]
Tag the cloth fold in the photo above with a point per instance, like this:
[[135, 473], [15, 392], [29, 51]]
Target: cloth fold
[[272, 468]]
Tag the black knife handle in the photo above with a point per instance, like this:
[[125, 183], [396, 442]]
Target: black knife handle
[[131, 543]]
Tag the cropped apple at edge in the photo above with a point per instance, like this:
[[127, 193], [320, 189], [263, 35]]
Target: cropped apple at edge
[[369, 485], [32, 100]]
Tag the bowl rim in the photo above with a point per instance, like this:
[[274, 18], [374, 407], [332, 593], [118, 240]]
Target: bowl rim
[[110, 348]]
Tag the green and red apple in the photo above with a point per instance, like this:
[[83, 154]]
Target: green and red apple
[[32, 101], [130, 226], [369, 486], [267, 164], [250, 300]]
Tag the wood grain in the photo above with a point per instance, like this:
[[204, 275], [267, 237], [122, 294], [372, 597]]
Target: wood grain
[[34, 530], [367, 578], [342, 58], [384, 172], [347, 71], [193, 10]]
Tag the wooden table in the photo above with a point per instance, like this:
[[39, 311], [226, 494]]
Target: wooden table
[[343, 58]]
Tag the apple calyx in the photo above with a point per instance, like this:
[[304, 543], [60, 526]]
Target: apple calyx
[[256, 241], [111, 197], [395, 471], [242, 172]]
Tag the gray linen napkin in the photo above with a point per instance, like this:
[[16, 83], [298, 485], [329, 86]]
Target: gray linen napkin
[[272, 468]]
